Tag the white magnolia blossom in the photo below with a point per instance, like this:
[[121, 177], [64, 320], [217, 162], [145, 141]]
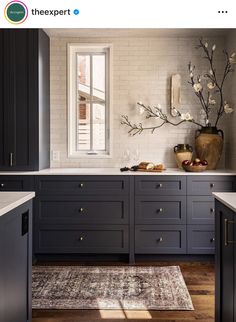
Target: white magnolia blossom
[[211, 100], [197, 87], [214, 47], [227, 108], [232, 59], [206, 44], [186, 117], [211, 85], [141, 110]]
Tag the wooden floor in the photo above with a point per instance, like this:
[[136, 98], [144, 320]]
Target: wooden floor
[[199, 278]]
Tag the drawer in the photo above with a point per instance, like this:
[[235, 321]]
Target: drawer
[[82, 210], [205, 185], [81, 185], [16, 183], [160, 185], [160, 210], [61, 239], [200, 210], [160, 239], [201, 239]]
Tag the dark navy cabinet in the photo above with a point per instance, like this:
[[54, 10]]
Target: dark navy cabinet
[[82, 215], [15, 265], [24, 99], [160, 214], [16, 183], [225, 264], [201, 210]]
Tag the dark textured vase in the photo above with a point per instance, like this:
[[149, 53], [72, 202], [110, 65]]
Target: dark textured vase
[[209, 145]]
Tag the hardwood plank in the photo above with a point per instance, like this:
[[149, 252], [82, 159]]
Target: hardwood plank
[[199, 277]]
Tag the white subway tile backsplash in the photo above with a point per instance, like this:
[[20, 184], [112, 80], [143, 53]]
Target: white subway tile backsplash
[[141, 72]]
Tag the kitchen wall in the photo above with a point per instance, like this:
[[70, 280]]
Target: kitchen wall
[[231, 150], [142, 68]]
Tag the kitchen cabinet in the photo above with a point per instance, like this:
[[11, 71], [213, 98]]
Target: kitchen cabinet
[[201, 210], [15, 264], [82, 215], [160, 214], [24, 99], [225, 264]]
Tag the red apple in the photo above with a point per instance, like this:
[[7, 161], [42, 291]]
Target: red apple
[[186, 162], [204, 162]]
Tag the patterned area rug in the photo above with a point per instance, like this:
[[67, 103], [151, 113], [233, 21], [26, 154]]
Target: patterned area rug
[[113, 287]]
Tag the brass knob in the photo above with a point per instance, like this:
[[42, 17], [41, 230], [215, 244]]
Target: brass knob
[[2, 185], [212, 210], [160, 210], [160, 185], [81, 238], [212, 239], [81, 209], [81, 185], [212, 185], [160, 240]]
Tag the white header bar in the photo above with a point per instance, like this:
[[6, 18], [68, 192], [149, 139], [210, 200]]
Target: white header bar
[[124, 14]]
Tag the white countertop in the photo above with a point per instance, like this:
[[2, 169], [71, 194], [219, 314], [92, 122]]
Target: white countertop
[[11, 200], [116, 171], [227, 198]]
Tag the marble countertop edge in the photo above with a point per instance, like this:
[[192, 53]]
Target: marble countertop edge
[[14, 199]]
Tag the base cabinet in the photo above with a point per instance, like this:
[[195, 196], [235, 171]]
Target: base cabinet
[[15, 265], [225, 308]]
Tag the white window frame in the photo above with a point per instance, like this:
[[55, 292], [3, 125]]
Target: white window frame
[[72, 50]]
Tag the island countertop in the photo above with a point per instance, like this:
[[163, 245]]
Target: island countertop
[[227, 198], [11, 200], [116, 171]]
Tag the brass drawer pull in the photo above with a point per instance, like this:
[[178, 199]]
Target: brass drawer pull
[[226, 228], [81, 209], [160, 240], [212, 185], [11, 159], [160, 210], [2, 185], [212, 240], [160, 185], [81, 238], [81, 185], [212, 210]]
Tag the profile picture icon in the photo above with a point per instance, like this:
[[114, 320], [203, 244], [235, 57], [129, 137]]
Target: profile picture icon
[[16, 12]]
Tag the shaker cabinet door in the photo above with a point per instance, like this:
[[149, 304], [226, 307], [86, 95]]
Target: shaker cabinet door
[[17, 110]]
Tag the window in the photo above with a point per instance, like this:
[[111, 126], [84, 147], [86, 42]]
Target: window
[[89, 100]]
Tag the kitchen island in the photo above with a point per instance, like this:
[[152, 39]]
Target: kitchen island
[[15, 256], [225, 225]]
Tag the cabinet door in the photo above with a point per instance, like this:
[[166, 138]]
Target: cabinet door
[[17, 127], [14, 269], [224, 264]]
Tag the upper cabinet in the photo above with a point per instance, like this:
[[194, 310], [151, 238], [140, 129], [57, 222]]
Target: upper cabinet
[[24, 99]]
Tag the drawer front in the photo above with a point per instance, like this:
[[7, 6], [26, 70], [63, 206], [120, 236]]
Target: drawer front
[[81, 185], [200, 210], [160, 210], [160, 239], [160, 185], [201, 239], [16, 183], [83, 210], [205, 185], [61, 239]]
